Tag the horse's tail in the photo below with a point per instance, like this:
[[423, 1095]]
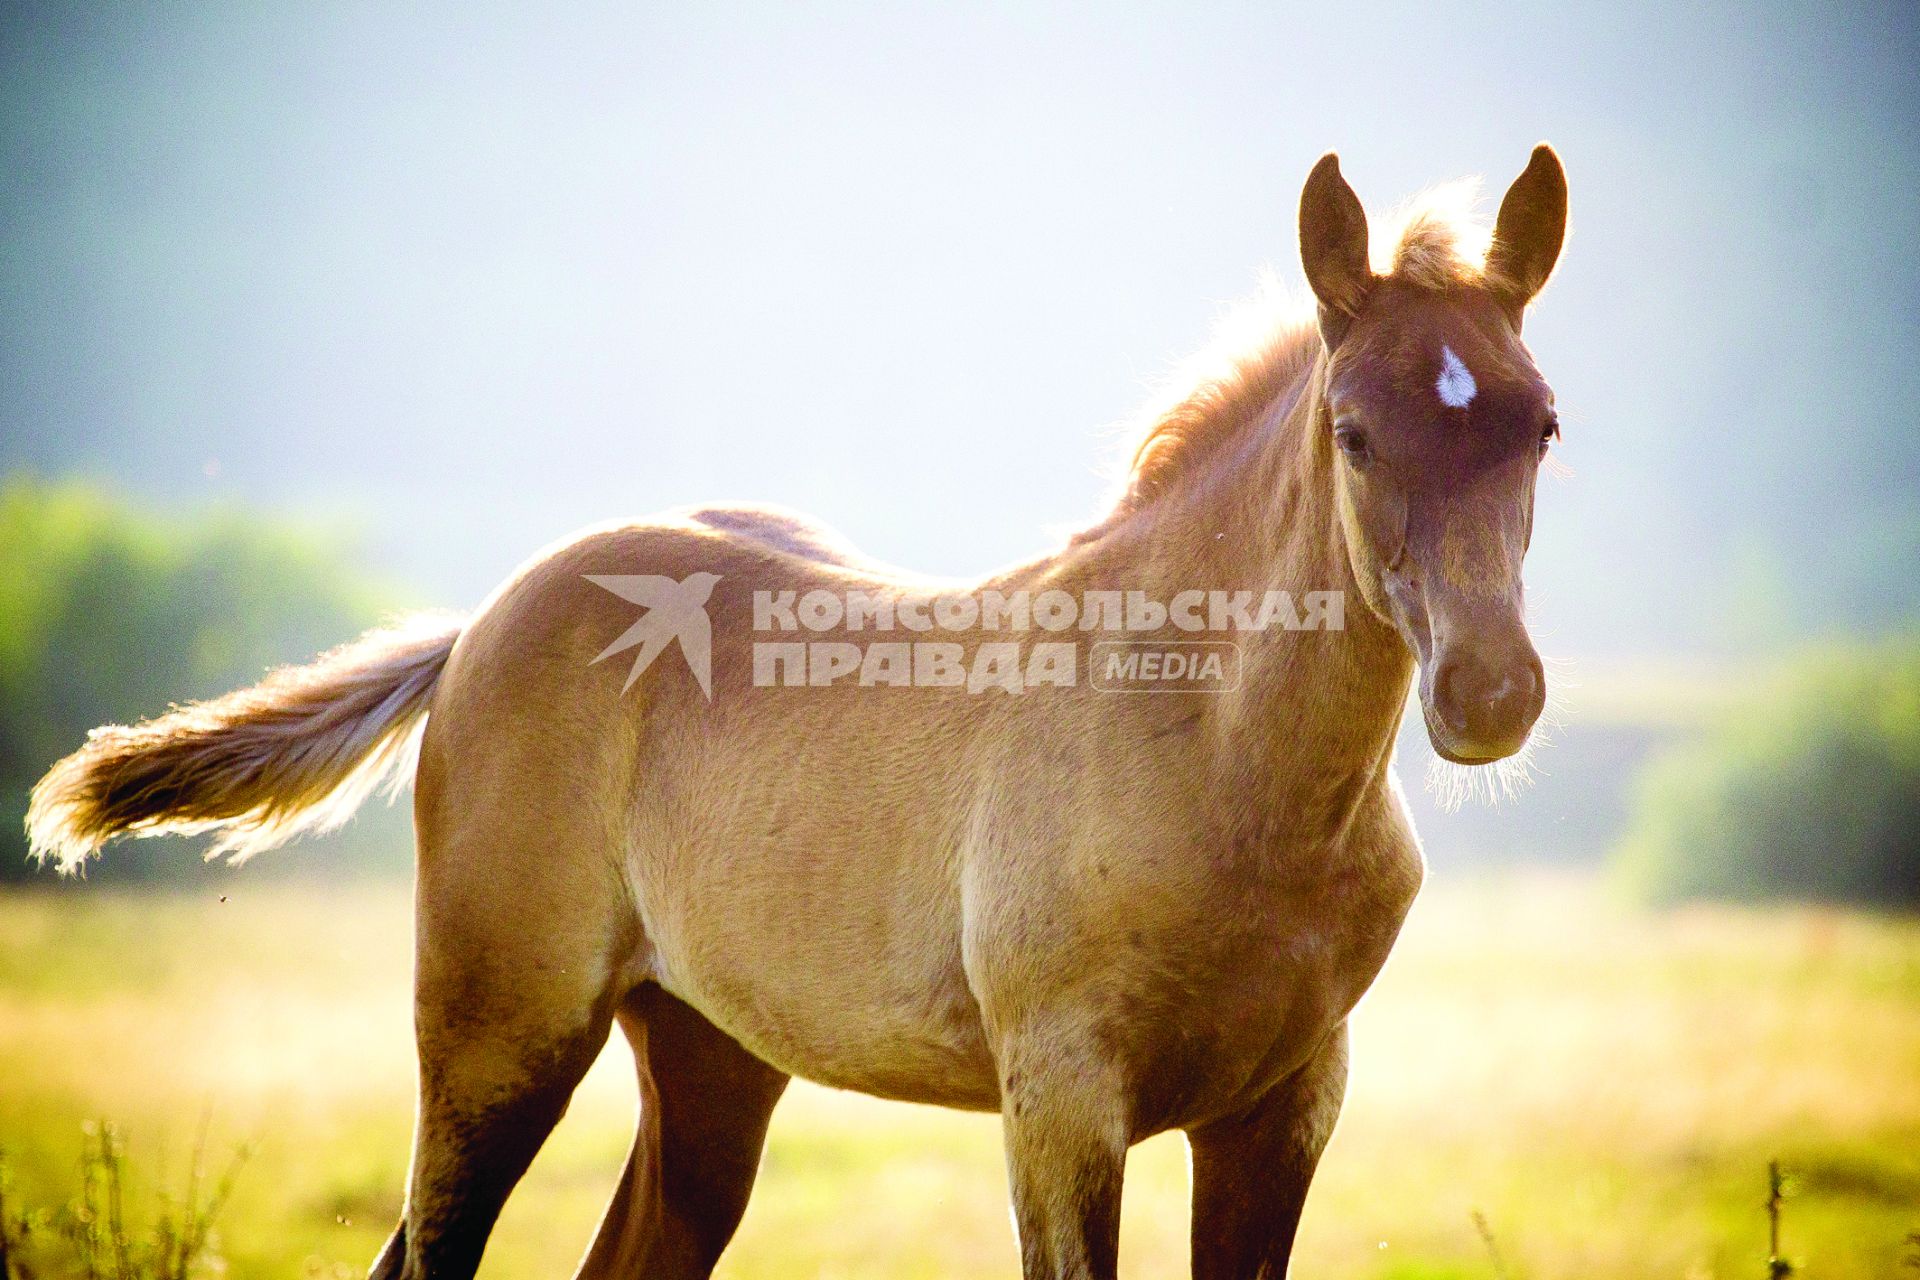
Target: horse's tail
[[297, 752]]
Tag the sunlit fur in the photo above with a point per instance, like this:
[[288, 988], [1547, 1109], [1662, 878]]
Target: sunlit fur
[[1435, 241], [296, 753]]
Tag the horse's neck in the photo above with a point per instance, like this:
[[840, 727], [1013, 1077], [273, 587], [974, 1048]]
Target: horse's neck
[[1310, 727]]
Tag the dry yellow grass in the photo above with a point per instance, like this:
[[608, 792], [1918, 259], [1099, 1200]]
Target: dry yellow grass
[[1605, 1086]]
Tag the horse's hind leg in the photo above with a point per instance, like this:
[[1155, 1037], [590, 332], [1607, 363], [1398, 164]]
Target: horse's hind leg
[[520, 947], [704, 1107]]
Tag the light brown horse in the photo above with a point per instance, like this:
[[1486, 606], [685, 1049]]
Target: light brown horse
[[1103, 916]]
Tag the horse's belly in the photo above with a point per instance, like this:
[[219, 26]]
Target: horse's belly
[[886, 1047], [868, 1004]]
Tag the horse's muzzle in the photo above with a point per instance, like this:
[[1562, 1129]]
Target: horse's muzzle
[[1480, 707]]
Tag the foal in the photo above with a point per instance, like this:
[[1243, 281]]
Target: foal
[[1003, 886]]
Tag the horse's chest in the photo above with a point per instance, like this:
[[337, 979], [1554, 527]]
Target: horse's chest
[[1217, 1018]]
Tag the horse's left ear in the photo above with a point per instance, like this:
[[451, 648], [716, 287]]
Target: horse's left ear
[[1531, 228]]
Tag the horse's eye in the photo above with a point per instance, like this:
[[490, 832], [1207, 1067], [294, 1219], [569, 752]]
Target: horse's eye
[[1352, 441], [1549, 433]]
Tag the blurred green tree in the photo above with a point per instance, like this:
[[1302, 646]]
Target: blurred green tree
[[1808, 787], [109, 614]]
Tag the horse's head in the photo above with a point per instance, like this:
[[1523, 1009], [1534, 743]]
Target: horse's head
[[1436, 422]]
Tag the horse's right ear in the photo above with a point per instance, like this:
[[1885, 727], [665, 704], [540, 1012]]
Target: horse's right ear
[[1333, 247]]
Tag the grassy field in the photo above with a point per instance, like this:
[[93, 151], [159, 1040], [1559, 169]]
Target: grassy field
[[1605, 1087]]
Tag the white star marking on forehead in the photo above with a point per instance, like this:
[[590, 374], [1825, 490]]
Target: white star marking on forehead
[[1455, 384]]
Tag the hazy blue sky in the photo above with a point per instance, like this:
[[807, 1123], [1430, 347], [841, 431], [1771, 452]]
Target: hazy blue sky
[[475, 276]]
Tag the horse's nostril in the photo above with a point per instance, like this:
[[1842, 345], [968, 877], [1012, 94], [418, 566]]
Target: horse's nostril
[[1474, 699], [1513, 690], [1500, 692], [1459, 693]]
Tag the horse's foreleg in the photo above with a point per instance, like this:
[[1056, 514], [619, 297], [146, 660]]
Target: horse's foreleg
[[1250, 1173], [1064, 1118], [704, 1107]]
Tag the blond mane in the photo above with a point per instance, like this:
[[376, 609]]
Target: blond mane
[[1436, 241]]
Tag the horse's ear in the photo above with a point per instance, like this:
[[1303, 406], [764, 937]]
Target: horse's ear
[[1333, 246], [1531, 228]]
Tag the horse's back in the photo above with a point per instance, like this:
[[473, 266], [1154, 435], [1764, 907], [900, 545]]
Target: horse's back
[[793, 535]]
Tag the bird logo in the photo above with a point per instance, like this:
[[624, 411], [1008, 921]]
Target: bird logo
[[674, 611]]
